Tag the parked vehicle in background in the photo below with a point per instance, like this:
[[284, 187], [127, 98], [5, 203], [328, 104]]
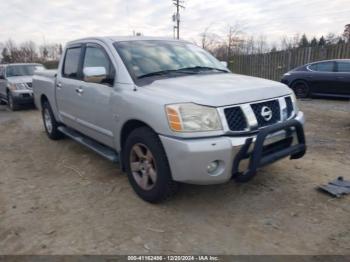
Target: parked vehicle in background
[[16, 84], [323, 78], [168, 111]]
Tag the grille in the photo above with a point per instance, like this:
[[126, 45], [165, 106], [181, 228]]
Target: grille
[[289, 106], [235, 119], [275, 108]]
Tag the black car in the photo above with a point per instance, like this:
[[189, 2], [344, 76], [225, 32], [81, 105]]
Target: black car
[[323, 78]]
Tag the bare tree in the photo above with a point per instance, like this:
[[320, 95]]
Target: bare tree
[[249, 45], [346, 33], [234, 39], [262, 46], [331, 39], [288, 43], [28, 51]]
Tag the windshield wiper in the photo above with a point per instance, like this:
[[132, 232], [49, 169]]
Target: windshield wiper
[[184, 70], [165, 72], [206, 68]]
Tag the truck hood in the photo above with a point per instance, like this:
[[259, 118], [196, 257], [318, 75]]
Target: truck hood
[[19, 79], [218, 89]]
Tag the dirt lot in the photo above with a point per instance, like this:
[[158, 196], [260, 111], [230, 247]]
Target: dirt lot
[[61, 198]]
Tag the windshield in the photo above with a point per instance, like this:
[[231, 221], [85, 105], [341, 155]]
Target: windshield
[[143, 58], [22, 70]]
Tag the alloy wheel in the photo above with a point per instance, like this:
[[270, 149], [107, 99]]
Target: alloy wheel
[[47, 120], [143, 166]]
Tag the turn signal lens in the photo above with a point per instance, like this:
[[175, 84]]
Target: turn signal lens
[[174, 119]]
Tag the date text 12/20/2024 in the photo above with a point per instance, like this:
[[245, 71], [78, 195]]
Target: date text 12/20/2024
[[173, 258]]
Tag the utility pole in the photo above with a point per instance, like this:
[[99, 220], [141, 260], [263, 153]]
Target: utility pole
[[176, 17]]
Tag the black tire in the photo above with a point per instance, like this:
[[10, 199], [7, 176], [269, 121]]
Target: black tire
[[11, 103], [51, 131], [301, 89], [164, 187]]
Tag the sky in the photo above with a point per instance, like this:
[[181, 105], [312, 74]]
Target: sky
[[58, 21]]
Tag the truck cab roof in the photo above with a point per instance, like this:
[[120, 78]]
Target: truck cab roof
[[113, 39]]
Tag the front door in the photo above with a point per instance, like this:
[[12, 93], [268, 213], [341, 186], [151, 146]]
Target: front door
[[94, 112]]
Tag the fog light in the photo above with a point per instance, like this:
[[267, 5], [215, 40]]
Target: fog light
[[213, 166]]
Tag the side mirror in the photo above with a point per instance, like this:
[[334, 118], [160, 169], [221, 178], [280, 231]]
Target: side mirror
[[224, 63], [94, 74], [2, 77]]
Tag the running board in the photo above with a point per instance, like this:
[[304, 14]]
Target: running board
[[100, 149]]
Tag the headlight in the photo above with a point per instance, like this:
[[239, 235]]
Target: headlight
[[19, 86], [193, 118], [287, 74]]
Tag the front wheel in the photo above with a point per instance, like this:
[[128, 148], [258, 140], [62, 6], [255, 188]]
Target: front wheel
[[301, 89], [147, 166], [50, 123], [11, 103]]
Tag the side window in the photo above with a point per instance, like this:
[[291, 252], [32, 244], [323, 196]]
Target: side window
[[98, 67], [344, 67], [323, 67], [313, 67], [71, 63]]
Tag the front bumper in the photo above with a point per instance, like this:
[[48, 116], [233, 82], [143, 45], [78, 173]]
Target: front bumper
[[189, 158], [22, 97]]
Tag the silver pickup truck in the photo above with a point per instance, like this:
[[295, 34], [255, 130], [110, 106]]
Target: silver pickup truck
[[168, 112]]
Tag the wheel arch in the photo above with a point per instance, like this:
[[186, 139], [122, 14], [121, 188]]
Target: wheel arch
[[126, 130], [299, 80], [43, 98], [128, 127]]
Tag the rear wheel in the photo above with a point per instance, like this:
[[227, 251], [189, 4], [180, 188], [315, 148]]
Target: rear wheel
[[301, 89], [50, 123], [147, 166]]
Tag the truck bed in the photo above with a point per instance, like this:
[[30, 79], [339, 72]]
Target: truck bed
[[44, 82]]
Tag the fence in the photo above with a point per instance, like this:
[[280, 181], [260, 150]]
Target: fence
[[273, 65]]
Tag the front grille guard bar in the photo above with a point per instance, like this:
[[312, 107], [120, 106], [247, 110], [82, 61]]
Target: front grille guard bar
[[257, 159]]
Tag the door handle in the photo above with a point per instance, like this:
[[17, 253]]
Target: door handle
[[340, 77], [59, 85], [79, 90]]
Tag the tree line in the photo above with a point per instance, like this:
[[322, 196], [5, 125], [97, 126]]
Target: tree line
[[223, 46], [29, 52], [236, 42]]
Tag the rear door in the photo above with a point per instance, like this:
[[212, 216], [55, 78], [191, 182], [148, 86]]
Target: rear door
[[69, 79], [322, 77], [343, 77]]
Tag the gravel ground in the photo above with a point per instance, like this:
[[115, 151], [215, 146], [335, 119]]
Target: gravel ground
[[61, 198]]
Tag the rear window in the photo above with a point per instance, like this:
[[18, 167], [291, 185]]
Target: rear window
[[344, 67], [71, 62]]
